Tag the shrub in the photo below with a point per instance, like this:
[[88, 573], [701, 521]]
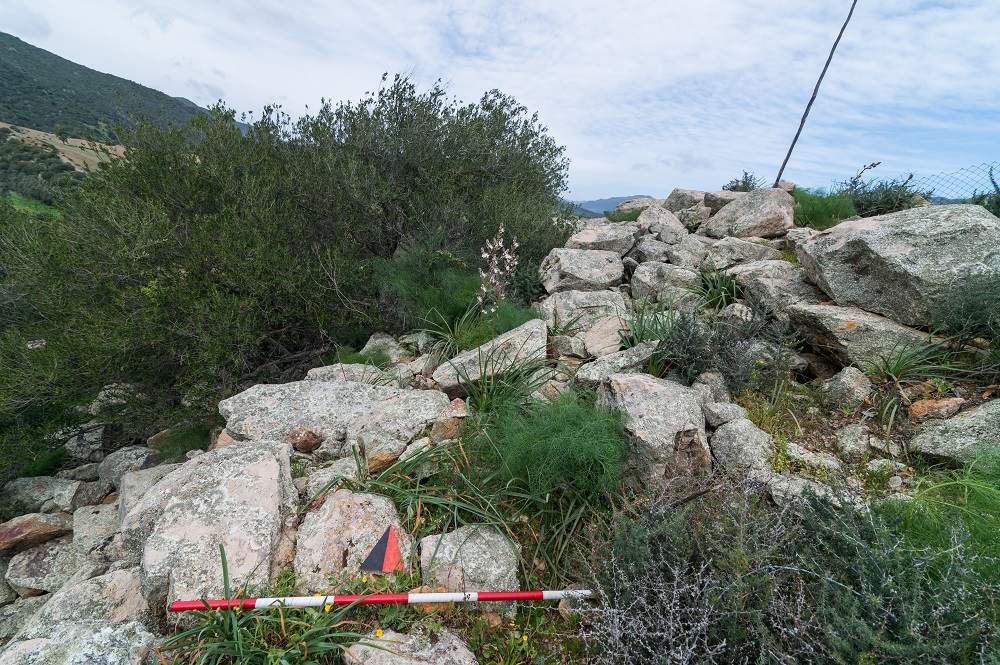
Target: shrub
[[747, 183], [819, 210], [209, 259], [722, 576], [989, 200], [880, 197], [629, 216]]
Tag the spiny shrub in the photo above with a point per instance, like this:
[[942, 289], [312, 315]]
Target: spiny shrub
[[820, 210], [725, 577], [747, 183], [567, 446], [880, 197]]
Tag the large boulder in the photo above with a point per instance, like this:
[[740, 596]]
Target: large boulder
[[339, 535], [33, 529], [739, 444], [777, 285], [239, 497], [907, 264], [378, 421], [120, 462], [604, 337], [581, 270], [663, 224], [679, 199], [83, 644], [664, 282], [663, 422], [850, 335], [762, 213], [729, 252], [572, 311], [47, 567], [134, 484], [438, 646], [470, 558], [15, 615], [960, 438], [525, 343], [650, 249], [43, 494], [717, 200], [690, 251], [616, 238], [354, 372], [634, 359]]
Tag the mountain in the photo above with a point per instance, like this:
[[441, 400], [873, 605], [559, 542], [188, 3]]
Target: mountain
[[40, 90], [600, 205]]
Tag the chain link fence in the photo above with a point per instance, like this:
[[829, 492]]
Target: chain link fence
[[958, 186]]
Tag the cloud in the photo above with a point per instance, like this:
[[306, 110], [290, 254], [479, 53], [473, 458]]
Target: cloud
[[19, 19]]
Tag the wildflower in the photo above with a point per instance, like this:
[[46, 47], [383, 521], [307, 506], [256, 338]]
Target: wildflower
[[364, 579], [524, 638], [326, 608], [378, 633]]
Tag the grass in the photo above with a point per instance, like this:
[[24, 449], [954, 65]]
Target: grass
[[472, 328], [45, 464], [630, 216], [184, 439], [646, 322], [718, 289], [24, 204], [820, 210]]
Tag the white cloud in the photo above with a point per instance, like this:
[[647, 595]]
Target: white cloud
[[695, 92]]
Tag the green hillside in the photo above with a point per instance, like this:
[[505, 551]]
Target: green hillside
[[40, 90]]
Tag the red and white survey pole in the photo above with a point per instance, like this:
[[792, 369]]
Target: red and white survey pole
[[376, 599]]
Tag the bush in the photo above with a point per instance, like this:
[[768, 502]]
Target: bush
[[819, 210], [724, 577], [616, 216], [747, 183], [209, 259], [989, 200], [880, 197]]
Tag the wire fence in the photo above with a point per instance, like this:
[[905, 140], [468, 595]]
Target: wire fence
[[960, 185]]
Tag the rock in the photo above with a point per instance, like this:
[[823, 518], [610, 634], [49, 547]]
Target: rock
[[664, 282], [650, 249], [610, 238], [720, 413], [632, 205], [567, 346], [656, 411], [680, 199], [527, 342], [134, 484], [304, 440], [378, 421], [47, 567], [776, 291], [797, 236], [120, 462], [735, 314], [739, 444], [885, 466], [717, 200], [906, 264], [960, 438], [14, 616], [86, 444], [439, 646], [936, 408], [238, 497], [762, 213], [448, 424], [635, 359], [42, 494], [847, 390], [82, 644], [690, 251], [340, 534], [712, 387], [729, 252], [604, 338], [112, 598], [33, 529], [694, 217], [85, 473], [94, 527], [354, 372], [109, 397], [663, 224], [581, 270], [471, 558], [816, 461], [223, 439], [577, 310], [853, 442], [7, 595], [325, 475], [788, 489], [849, 335], [383, 344]]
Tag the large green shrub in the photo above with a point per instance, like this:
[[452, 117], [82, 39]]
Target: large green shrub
[[209, 258]]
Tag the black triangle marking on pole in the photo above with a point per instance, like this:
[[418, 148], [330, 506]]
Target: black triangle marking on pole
[[376, 558]]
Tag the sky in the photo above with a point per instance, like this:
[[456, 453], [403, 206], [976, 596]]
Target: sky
[[646, 95]]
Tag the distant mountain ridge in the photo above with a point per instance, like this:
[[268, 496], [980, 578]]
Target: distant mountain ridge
[[43, 91], [600, 205]]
